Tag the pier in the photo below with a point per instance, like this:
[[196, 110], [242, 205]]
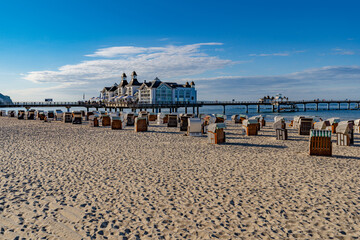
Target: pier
[[194, 107]]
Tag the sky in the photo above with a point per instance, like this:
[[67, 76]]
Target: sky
[[238, 50]]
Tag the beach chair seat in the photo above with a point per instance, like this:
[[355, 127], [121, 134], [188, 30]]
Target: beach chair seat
[[116, 123], [216, 133], [105, 120], [11, 113], [172, 120], [194, 127], [77, 118], [93, 121], [30, 115], [184, 122], [320, 143], [141, 124], [305, 125], [281, 134], [51, 114], [235, 119]]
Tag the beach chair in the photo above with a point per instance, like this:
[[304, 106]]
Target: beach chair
[[141, 124], [219, 118], [251, 127], [116, 123], [130, 119], [334, 122], [281, 134], [3, 113], [152, 117], [67, 117], [144, 114], [41, 115], [184, 122], [105, 120], [30, 115], [344, 134], [320, 125], [305, 125], [194, 127], [160, 118], [320, 143], [51, 115], [357, 126], [172, 120], [94, 121], [279, 124], [166, 118], [216, 133], [58, 115], [235, 119], [11, 113], [21, 114], [88, 114], [77, 117]]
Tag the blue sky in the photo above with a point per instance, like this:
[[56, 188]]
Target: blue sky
[[231, 49]]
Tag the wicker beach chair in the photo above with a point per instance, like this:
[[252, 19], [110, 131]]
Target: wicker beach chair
[[58, 115], [11, 113], [172, 120], [320, 143], [281, 134], [184, 122], [216, 133], [67, 117], [141, 124], [334, 122], [30, 115], [152, 117], [88, 114], [194, 127], [279, 124], [105, 120], [357, 126], [116, 123], [235, 119], [130, 119], [160, 118], [251, 127], [320, 125], [77, 117], [21, 114], [94, 121], [3, 113], [51, 115], [305, 125], [345, 134]]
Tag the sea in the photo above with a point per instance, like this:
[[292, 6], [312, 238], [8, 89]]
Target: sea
[[343, 113]]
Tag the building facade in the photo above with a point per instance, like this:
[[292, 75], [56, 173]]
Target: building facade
[[152, 92]]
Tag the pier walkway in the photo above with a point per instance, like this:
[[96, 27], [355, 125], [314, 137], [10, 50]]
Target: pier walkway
[[275, 106]]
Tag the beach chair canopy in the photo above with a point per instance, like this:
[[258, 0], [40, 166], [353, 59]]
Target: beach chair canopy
[[194, 124], [250, 121], [279, 124], [233, 117], [320, 125], [278, 118], [357, 122], [212, 127], [343, 128], [116, 118]]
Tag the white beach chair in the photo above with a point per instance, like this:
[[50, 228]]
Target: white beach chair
[[194, 127]]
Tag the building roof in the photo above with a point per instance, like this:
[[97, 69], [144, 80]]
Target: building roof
[[134, 82], [123, 75], [123, 83], [133, 73]]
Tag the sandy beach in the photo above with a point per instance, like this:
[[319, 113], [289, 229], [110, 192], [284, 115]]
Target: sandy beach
[[64, 181]]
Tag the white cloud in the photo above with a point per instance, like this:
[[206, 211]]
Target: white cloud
[[284, 54], [164, 62], [339, 51]]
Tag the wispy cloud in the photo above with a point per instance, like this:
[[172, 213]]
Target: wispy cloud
[[284, 54], [164, 62], [339, 51]]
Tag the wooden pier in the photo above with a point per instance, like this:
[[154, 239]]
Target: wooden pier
[[173, 107]]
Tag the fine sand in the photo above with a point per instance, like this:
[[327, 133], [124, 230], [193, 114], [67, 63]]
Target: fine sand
[[64, 181]]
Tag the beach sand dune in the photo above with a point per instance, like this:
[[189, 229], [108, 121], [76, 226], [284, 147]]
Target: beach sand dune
[[64, 181]]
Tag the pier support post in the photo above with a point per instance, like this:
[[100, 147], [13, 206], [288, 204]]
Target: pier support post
[[304, 107], [193, 110], [273, 108], [317, 107], [278, 108], [170, 110], [197, 111], [328, 106], [68, 109], [185, 110], [258, 108], [153, 110], [339, 106], [348, 106], [87, 109], [247, 109], [159, 110], [224, 110]]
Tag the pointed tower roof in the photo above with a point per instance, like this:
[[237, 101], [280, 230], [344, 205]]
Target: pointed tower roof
[[187, 84], [123, 75], [192, 83], [133, 73]]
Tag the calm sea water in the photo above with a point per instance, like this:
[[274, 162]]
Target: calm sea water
[[266, 112]]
